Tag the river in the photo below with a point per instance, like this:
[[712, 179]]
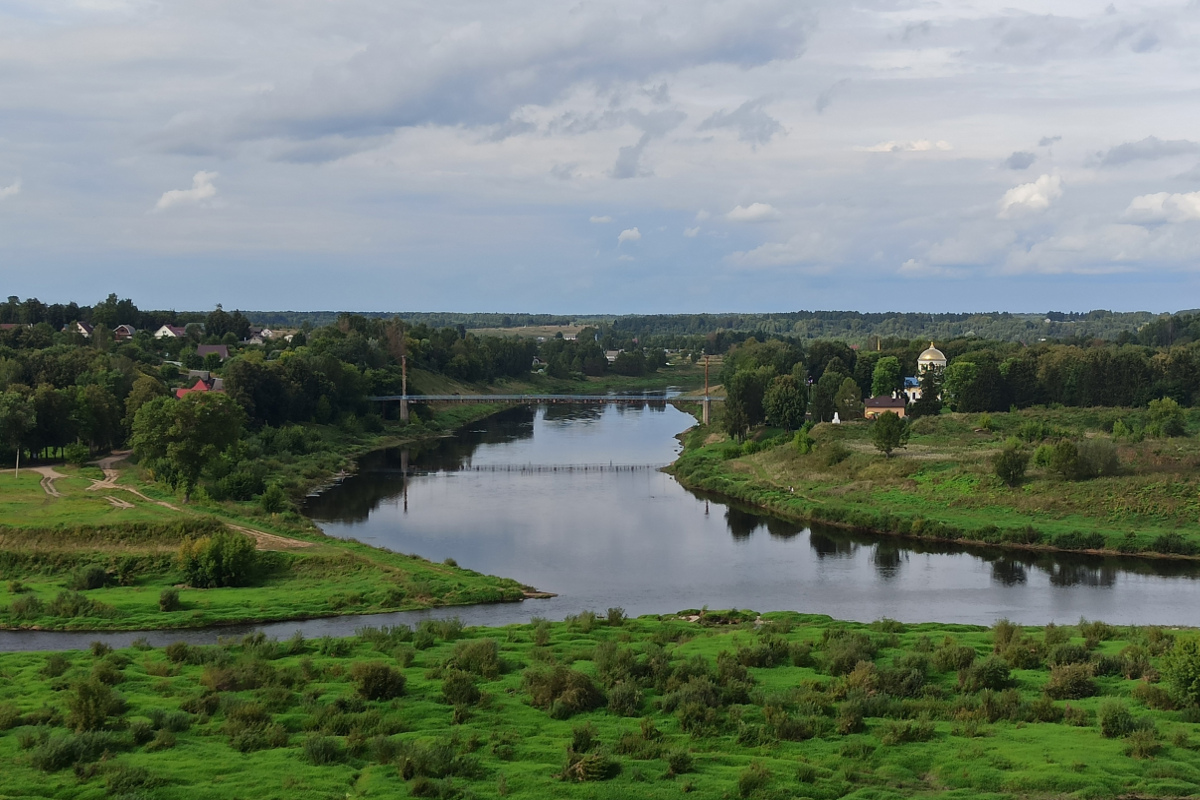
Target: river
[[571, 500]]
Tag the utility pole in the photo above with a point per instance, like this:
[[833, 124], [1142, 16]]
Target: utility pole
[[404, 387]]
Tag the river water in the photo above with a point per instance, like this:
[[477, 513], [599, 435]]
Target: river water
[[570, 499]]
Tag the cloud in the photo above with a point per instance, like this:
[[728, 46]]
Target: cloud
[[1148, 149], [1031, 197], [1046, 141], [917, 146], [628, 235], [691, 233], [202, 189], [628, 159], [916, 268], [749, 120], [11, 190], [755, 212], [802, 248], [625, 257], [1164, 207], [600, 220], [1020, 160]]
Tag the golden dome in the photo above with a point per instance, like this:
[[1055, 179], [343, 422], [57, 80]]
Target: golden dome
[[932, 356]]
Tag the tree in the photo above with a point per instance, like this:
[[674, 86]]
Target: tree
[[224, 559], [888, 432], [745, 391], [786, 402], [848, 400], [929, 404], [1166, 418], [1011, 462], [178, 438], [145, 389], [17, 421], [823, 397], [1181, 667], [886, 377]]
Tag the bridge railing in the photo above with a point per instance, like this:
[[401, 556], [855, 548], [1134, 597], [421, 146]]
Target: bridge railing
[[541, 398]]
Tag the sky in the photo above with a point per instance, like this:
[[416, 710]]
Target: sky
[[602, 157]]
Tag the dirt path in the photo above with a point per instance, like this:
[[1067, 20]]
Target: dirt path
[[271, 541], [48, 477], [112, 475]]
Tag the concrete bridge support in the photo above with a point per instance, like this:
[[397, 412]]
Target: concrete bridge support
[[705, 410]]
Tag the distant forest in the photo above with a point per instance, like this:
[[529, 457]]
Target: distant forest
[[849, 326]]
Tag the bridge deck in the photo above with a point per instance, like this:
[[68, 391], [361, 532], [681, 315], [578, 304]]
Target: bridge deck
[[538, 398]]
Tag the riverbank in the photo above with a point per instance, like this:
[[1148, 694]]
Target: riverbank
[[941, 487], [712, 704]]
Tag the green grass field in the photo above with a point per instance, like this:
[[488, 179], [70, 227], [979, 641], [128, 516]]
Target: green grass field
[[942, 486], [602, 707]]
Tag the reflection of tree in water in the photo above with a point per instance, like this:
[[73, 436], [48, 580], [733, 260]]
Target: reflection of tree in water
[[827, 546], [742, 524], [381, 474], [887, 558], [1082, 575], [782, 529], [1009, 572]]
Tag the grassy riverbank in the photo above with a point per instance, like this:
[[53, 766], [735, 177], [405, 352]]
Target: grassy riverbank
[[78, 552], [942, 486], [715, 707]]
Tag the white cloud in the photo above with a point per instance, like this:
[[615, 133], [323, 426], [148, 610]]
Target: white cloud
[[803, 248], [625, 258], [628, 235], [1164, 207], [917, 146], [202, 189], [691, 233], [702, 215], [600, 220], [755, 212], [1031, 197], [916, 268], [12, 189]]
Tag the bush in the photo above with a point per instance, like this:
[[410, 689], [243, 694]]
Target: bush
[[375, 680], [93, 577], [896, 732], [478, 656], [1067, 654], [27, 607], [1181, 667], [952, 658], [60, 752], [90, 704], [168, 600], [679, 762], [991, 673], [1011, 463], [321, 750], [274, 500], [561, 691], [459, 689], [1115, 719], [123, 780], [226, 558], [1071, 682], [624, 699], [753, 779]]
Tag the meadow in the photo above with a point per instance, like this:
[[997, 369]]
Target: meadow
[[707, 704], [942, 484]]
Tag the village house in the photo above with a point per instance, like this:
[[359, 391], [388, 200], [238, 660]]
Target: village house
[[209, 384], [123, 333], [220, 349], [84, 329], [170, 332], [874, 406]]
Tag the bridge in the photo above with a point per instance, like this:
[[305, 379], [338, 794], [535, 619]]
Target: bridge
[[540, 399]]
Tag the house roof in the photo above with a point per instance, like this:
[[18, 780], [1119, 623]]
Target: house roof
[[885, 402], [219, 349], [200, 386]]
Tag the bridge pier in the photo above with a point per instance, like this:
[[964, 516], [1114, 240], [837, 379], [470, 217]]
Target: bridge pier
[[705, 410], [404, 409]]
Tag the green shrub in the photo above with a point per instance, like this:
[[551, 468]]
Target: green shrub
[[1114, 719], [561, 691], [322, 750], [896, 732], [168, 600], [459, 689], [1067, 654], [1011, 463], [478, 656], [753, 779], [1071, 682], [123, 780], [679, 762], [953, 658], [1181, 667], [1142, 743], [991, 673], [624, 699], [27, 607], [226, 558], [93, 577], [274, 500], [374, 680]]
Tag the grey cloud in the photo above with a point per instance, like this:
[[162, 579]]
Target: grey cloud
[[660, 95], [826, 97], [565, 172], [915, 29], [509, 128], [750, 121], [628, 159], [319, 151], [481, 80], [1147, 149], [1046, 141], [1020, 160]]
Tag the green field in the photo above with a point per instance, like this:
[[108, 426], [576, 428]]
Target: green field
[[715, 706], [942, 486]]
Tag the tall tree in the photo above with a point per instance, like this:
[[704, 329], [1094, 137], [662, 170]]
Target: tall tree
[[17, 420], [786, 402], [886, 377]]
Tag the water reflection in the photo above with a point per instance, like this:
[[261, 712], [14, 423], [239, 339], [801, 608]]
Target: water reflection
[[567, 498]]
